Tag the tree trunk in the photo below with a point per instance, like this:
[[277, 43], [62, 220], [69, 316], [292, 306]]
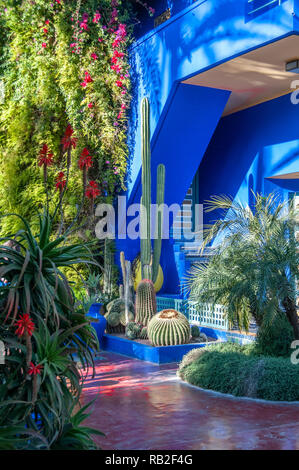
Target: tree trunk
[[291, 313]]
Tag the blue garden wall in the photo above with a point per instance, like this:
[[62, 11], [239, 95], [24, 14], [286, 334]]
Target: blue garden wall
[[249, 147]]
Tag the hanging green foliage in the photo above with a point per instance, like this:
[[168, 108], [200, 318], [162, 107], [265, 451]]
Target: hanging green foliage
[[64, 74]]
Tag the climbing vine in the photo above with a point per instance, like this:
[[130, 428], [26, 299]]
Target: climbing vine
[[65, 74]]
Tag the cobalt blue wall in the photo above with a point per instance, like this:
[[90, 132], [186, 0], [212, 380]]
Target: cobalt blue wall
[[201, 36]]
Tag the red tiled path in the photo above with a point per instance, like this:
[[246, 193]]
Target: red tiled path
[[144, 406]]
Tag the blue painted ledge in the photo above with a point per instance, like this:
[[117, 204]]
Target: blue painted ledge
[[224, 335], [144, 352], [162, 354]]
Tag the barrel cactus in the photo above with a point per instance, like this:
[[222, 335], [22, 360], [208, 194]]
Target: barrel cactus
[[143, 333], [133, 330], [168, 328], [146, 304]]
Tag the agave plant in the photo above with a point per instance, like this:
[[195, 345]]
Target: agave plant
[[50, 344], [255, 261]]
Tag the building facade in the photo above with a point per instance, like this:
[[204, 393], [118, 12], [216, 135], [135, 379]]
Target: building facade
[[220, 76]]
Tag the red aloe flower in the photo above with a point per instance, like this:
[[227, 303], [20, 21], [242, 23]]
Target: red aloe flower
[[92, 190], [45, 157], [67, 140], [60, 181], [85, 160], [24, 325], [34, 370]]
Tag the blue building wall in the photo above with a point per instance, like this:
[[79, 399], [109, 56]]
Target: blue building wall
[[203, 35], [246, 147]]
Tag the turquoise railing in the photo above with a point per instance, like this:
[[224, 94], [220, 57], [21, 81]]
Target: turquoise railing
[[204, 315]]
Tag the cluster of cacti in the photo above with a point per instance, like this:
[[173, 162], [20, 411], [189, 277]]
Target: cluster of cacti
[[145, 303], [203, 338], [150, 263], [133, 330], [168, 328], [195, 331], [116, 315]]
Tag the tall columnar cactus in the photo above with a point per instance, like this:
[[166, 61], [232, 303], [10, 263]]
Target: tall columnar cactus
[[146, 305], [108, 266], [159, 221], [149, 266], [168, 328], [127, 283]]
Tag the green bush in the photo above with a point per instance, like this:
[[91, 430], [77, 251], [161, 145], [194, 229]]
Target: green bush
[[238, 370], [274, 339]]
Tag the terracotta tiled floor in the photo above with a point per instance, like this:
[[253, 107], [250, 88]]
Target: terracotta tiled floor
[[144, 406]]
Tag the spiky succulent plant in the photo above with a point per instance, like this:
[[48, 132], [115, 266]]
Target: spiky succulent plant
[[133, 330]]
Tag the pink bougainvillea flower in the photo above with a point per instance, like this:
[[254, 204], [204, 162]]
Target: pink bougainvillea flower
[[24, 325], [90, 105], [60, 181], [45, 30], [116, 67], [92, 190], [84, 26], [100, 39], [118, 54], [34, 370], [94, 56], [87, 79], [45, 157], [119, 83], [85, 160], [68, 140], [47, 21], [96, 17], [44, 45]]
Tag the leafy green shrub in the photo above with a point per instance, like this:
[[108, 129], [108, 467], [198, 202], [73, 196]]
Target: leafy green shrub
[[237, 370], [191, 356], [250, 286], [274, 339]]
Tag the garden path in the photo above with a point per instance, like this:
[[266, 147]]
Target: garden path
[[145, 406]]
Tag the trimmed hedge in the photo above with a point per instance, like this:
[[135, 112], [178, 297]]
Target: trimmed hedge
[[238, 370]]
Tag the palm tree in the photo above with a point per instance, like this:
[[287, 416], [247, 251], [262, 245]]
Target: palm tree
[[255, 261]]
